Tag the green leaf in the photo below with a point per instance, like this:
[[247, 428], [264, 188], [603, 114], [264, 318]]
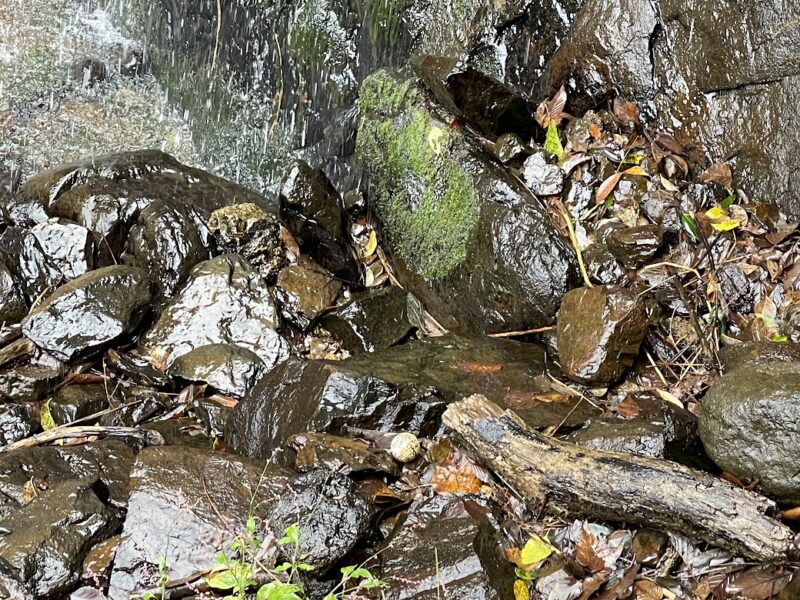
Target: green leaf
[[552, 143], [283, 568], [778, 337], [291, 535], [372, 583], [222, 580], [251, 525], [347, 571], [46, 419], [726, 204], [304, 567], [275, 590], [690, 225], [361, 573], [535, 551]]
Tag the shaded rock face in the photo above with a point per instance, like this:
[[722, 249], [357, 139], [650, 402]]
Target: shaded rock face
[[52, 534], [231, 369], [13, 306], [370, 322], [599, 332], [224, 301], [73, 402], [81, 317], [683, 62], [335, 453], [405, 388], [304, 291], [313, 212], [23, 256], [17, 421], [470, 563], [70, 247], [172, 513], [749, 426], [467, 238], [26, 384]]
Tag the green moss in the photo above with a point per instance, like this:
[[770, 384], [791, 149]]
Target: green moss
[[419, 190], [382, 94]]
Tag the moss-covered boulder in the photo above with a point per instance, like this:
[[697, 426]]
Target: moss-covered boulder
[[466, 236]]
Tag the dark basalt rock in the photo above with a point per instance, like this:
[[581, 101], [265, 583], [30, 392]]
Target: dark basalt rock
[[313, 212], [749, 426], [509, 148], [733, 356], [81, 317], [469, 562], [230, 369], [339, 454], [107, 461], [635, 246], [599, 331], [168, 240], [13, 306], [304, 291], [492, 106], [50, 536], [251, 232], [136, 368], [466, 237], [224, 301], [17, 421], [405, 388], [370, 321], [73, 402], [543, 178], [27, 383], [174, 506], [30, 267], [70, 247]]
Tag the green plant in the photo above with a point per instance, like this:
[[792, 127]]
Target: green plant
[[163, 578]]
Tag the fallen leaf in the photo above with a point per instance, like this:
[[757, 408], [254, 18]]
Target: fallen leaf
[[668, 143], [595, 131], [627, 409], [719, 173], [611, 182], [620, 590], [552, 110], [759, 583], [534, 552], [648, 590], [29, 491], [559, 586], [585, 553], [473, 366], [372, 244], [624, 111], [521, 590], [668, 185], [668, 397], [45, 418], [791, 514], [552, 143], [457, 475]]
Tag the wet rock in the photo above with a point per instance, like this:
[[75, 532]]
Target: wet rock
[[224, 301], [230, 369], [601, 265], [27, 262], [749, 426], [86, 314], [636, 437], [26, 384], [405, 388], [13, 306], [10, 584], [737, 290], [492, 106], [178, 490], [182, 432], [17, 421], [662, 208], [543, 178], [635, 246], [599, 331], [213, 415], [47, 466], [134, 405], [98, 562], [313, 212], [469, 560], [88, 71], [168, 240], [251, 232], [467, 238], [70, 247], [136, 368], [331, 513], [510, 147], [73, 402], [304, 291], [50, 536], [733, 356], [339, 454], [370, 321]]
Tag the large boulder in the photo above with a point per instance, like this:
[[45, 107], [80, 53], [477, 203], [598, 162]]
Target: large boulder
[[224, 301], [467, 237], [83, 316], [405, 388], [750, 425]]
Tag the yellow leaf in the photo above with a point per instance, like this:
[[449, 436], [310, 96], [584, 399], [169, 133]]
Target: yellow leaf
[[45, 418], [667, 397], [29, 491], [715, 213], [635, 171], [535, 551], [726, 225], [437, 137], [372, 244], [521, 590]]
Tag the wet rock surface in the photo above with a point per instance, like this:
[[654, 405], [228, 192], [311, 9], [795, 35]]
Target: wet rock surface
[[342, 454], [600, 330], [304, 291], [70, 247], [224, 301], [749, 425], [17, 421], [25, 384], [231, 369], [470, 559], [83, 316], [454, 222]]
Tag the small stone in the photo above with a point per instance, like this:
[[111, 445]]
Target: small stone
[[304, 291], [634, 246], [405, 447], [543, 178], [510, 146], [599, 332]]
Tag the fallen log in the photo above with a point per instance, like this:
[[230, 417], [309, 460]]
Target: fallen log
[[565, 478]]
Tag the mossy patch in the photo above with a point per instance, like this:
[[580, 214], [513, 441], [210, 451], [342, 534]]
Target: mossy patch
[[419, 190]]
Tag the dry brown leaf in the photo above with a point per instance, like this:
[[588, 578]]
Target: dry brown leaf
[[585, 553], [648, 590], [611, 182], [759, 583], [719, 173], [457, 476], [473, 366], [552, 110], [619, 590], [791, 514], [625, 112], [668, 143], [628, 408]]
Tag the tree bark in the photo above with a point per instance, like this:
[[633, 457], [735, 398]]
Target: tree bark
[[566, 478]]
